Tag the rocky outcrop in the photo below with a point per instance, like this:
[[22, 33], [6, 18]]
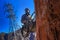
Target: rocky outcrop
[[17, 35], [3, 36]]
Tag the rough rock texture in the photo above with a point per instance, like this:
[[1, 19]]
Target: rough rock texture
[[47, 19], [17, 36], [3, 36]]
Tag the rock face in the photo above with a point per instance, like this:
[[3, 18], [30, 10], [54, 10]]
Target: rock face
[[47, 19], [3, 36], [18, 35]]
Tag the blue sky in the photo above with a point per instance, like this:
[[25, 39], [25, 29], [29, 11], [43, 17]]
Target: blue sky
[[19, 6]]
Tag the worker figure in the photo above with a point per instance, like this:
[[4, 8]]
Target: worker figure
[[26, 19]]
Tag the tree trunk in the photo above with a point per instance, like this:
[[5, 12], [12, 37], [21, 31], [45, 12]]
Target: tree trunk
[[47, 19]]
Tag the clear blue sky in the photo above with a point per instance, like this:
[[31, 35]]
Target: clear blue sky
[[19, 6]]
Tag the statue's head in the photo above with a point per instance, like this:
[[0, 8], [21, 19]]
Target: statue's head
[[27, 11]]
